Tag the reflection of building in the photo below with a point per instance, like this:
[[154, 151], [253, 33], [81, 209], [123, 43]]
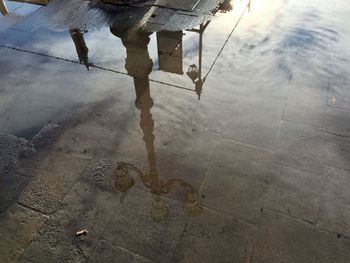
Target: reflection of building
[[139, 65], [3, 8], [170, 52]]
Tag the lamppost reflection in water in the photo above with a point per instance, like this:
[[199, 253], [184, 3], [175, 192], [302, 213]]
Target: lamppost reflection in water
[[139, 65], [194, 72], [170, 55], [82, 50], [3, 9]]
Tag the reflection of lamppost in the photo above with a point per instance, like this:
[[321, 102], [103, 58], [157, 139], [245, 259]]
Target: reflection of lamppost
[[3, 9], [80, 45], [194, 72], [139, 65], [225, 6]]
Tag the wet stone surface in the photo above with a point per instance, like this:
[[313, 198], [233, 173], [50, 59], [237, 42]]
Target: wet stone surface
[[174, 131]]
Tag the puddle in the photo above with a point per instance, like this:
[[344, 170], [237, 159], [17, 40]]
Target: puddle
[[177, 59], [163, 130]]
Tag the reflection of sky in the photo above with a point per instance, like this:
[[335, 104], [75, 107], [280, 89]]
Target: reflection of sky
[[21, 9], [106, 50], [279, 43]]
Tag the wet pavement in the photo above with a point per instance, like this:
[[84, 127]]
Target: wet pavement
[[189, 131]]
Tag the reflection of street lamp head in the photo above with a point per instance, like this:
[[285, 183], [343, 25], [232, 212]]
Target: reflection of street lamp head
[[225, 6], [191, 204], [194, 74], [123, 180], [159, 210]]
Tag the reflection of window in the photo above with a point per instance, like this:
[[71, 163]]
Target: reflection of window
[[170, 51]]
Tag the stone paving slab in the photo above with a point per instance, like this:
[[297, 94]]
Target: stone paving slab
[[84, 207], [296, 193], [337, 151], [301, 146], [283, 239], [255, 121], [226, 187], [214, 237], [305, 108], [11, 185], [334, 210], [147, 224], [249, 159], [19, 226], [55, 177], [238, 172], [337, 121], [107, 253]]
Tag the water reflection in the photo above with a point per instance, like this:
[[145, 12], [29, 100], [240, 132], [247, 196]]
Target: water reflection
[[170, 55], [139, 65], [3, 9], [194, 72], [80, 45]]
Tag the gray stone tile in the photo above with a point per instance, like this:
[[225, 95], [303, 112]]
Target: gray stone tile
[[7, 21], [337, 121], [84, 208], [337, 151], [283, 239], [335, 206], [237, 180], [235, 192], [246, 159], [263, 81], [24, 260], [107, 253], [11, 149], [214, 237], [10, 187], [199, 143], [338, 91], [194, 113], [295, 193], [300, 146], [55, 177], [19, 226], [305, 108], [79, 142], [147, 224], [255, 121]]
